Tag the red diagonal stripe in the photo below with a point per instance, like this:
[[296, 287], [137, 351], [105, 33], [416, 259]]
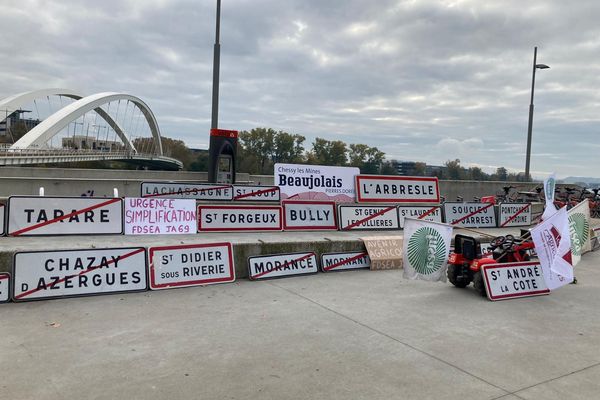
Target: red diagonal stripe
[[283, 265], [473, 213], [515, 216], [347, 261], [175, 193], [370, 217], [241, 196], [428, 212]]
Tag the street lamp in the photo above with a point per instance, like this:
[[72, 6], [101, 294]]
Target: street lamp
[[530, 125]]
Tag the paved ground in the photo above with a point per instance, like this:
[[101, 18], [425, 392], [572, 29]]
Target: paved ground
[[346, 335]]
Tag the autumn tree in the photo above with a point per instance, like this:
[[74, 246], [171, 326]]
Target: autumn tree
[[368, 159]]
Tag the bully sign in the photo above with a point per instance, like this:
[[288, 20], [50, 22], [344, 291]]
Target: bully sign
[[190, 265], [368, 218], [282, 265], [470, 215], [396, 189], [433, 214], [513, 280], [345, 261], [66, 273], [256, 193], [514, 214], [152, 216], [181, 190], [309, 215], [239, 218], [4, 287], [30, 216]]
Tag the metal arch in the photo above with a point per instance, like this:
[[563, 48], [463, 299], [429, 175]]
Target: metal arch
[[13, 103], [49, 127]]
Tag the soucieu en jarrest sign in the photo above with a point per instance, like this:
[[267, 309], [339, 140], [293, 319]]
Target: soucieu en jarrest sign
[[186, 190], [309, 215], [425, 213], [368, 217], [514, 214], [513, 280], [32, 216], [470, 215], [65, 273], [333, 262], [396, 189], [255, 193], [315, 182], [239, 218], [190, 265], [282, 265]]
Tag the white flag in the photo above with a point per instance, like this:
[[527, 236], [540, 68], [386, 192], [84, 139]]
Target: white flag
[[549, 187], [553, 246], [579, 229], [425, 249]]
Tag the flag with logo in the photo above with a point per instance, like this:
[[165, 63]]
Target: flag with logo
[[579, 228], [553, 246], [425, 249], [549, 187]]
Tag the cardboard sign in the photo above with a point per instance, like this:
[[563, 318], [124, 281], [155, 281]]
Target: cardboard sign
[[426, 213], [333, 262], [396, 189], [470, 215], [368, 218], [239, 218], [309, 215], [514, 214], [2, 218], [190, 265], [4, 287], [33, 216], [69, 273], [282, 265], [153, 216], [256, 193], [316, 182], [183, 190], [514, 280], [385, 251]]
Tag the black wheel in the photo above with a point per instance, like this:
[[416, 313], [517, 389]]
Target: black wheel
[[453, 273], [479, 284]]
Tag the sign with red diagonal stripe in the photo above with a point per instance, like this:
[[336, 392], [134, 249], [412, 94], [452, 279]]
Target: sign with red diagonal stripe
[[333, 262], [33, 216], [2, 218], [4, 287], [190, 265], [188, 190], [239, 218], [309, 215], [256, 193], [425, 213], [513, 280], [282, 265], [361, 217], [514, 214], [470, 215], [72, 273], [396, 189]]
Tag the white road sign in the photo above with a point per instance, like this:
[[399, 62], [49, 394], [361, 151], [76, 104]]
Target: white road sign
[[190, 265], [426, 213], [4, 287], [256, 193], [368, 218], [513, 280], [66, 273], [309, 215], [31, 216], [154, 216], [514, 214], [188, 190], [345, 261], [470, 215], [282, 265], [316, 182], [396, 189], [239, 218]]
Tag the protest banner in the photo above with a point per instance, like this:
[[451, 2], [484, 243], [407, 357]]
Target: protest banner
[[256, 193], [361, 217], [470, 215], [396, 189], [154, 216], [239, 218], [426, 213], [316, 182], [425, 249], [37, 216], [345, 261], [385, 252], [549, 191], [4, 287], [579, 229], [309, 215], [513, 280], [187, 190], [514, 214], [282, 265]]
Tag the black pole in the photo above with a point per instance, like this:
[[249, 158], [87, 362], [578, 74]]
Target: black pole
[[214, 122], [530, 124]]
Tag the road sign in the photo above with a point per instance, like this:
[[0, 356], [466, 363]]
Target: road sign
[[514, 214], [190, 265], [513, 280], [72, 273], [426, 213], [33, 216], [239, 218], [470, 215], [309, 215], [4, 287], [345, 261], [282, 265], [396, 189], [368, 218], [157, 216], [256, 193], [188, 190], [2, 219]]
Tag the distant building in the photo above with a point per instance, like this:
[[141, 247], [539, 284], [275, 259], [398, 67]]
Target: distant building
[[16, 121], [409, 168], [91, 143]]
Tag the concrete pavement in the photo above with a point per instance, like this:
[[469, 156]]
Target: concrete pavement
[[346, 335]]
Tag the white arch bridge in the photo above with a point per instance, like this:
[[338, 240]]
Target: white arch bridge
[[132, 133]]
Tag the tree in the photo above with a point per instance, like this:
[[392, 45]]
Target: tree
[[368, 159], [387, 168], [501, 174], [258, 144], [288, 148], [454, 170], [420, 169], [325, 152], [477, 174]]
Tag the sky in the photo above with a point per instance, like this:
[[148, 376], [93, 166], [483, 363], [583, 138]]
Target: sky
[[422, 80]]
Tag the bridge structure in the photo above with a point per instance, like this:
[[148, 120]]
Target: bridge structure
[[67, 126]]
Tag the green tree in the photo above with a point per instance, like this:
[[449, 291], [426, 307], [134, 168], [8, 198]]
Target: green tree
[[368, 159], [420, 169], [258, 144], [454, 170], [501, 174], [476, 174], [288, 148], [326, 152]]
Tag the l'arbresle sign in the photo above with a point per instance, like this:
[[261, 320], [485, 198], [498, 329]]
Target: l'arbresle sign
[[396, 189]]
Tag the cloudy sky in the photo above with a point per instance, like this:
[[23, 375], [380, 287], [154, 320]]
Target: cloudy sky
[[422, 80]]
